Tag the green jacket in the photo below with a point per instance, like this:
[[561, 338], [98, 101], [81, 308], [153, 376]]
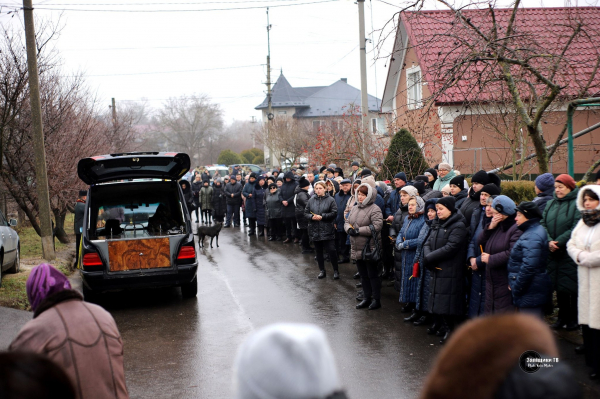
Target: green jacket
[[560, 218], [442, 182], [205, 198]]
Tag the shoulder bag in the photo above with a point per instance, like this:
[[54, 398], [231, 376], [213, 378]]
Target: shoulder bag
[[372, 254]]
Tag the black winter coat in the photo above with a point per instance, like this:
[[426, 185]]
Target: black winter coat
[[286, 193], [236, 190], [498, 243], [302, 198], [258, 194], [321, 230], [477, 297], [469, 205], [187, 196], [196, 187], [460, 198], [219, 201], [341, 200], [444, 255]]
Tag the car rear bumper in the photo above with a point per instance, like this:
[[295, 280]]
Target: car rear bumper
[[100, 281]]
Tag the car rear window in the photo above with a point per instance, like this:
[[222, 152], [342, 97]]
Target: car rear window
[[135, 209]]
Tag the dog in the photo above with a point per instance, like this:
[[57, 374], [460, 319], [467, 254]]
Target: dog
[[211, 231]]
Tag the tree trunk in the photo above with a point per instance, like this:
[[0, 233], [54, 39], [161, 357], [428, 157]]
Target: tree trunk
[[540, 147], [59, 229]]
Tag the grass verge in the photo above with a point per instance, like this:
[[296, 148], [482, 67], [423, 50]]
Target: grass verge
[[12, 292]]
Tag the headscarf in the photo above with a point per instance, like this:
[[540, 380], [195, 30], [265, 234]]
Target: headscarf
[[43, 281]]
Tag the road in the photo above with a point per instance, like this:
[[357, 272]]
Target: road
[[178, 348]]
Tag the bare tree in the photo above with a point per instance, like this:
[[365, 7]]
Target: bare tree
[[187, 123], [287, 138]]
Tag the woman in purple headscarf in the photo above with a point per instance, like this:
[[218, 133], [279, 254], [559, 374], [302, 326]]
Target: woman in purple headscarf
[[81, 337]]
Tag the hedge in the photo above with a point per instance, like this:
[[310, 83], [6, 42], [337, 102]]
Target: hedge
[[522, 190]]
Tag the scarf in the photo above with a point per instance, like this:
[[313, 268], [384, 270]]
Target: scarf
[[414, 215], [591, 217], [475, 196]]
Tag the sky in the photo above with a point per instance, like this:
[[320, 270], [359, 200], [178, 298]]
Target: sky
[[151, 50]]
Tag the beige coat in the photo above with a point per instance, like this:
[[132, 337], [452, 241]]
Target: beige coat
[[584, 248], [360, 217], [82, 338]]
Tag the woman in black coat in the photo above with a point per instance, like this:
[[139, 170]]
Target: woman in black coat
[[187, 196], [258, 193], [321, 212], [444, 255], [301, 200], [219, 201]]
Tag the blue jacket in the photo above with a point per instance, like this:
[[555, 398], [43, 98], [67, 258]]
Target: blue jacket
[[341, 200], [246, 191], [392, 204], [380, 203], [258, 195], [529, 283]]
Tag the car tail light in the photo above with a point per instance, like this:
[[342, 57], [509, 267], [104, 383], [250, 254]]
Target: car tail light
[[187, 252], [91, 259]]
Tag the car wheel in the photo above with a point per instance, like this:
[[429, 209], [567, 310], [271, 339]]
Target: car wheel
[[190, 290], [16, 267]]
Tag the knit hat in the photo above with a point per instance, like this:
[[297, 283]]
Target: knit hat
[[82, 193], [226, 177], [458, 181], [252, 175], [446, 189], [430, 204], [504, 205], [422, 178], [355, 164], [491, 189], [448, 202], [445, 166], [332, 166], [420, 186], [529, 209], [365, 172], [303, 182], [432, 172], [272, 185], [43, 281], [219, 180], [566, 180], [545, 182], [330, 170], [401, 176], [410, 190], [286, 360], [480, 177], [322, 168]]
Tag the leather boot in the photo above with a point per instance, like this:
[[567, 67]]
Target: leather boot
[[375, 304], [422, 320], [360, 296], [336, 275], [448, 331], [356, 276], [322, 274], [364, 304], [434, 328], [251, 232], [261, 232], [408, 307], [413, 317]]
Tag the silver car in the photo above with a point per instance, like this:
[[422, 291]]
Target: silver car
[[10, 257]]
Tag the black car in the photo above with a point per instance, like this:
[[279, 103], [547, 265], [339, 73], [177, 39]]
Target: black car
[[137, 230]]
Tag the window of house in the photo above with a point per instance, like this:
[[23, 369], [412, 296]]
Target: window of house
[[281, 112], [316, 125], [373, 125], [414, 86]]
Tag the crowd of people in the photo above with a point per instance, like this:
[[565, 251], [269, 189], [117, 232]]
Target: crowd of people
[[454, 251]]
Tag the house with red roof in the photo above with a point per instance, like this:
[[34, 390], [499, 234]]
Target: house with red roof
[[446, 83]]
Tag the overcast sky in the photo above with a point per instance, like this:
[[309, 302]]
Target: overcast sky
[[131, 54]]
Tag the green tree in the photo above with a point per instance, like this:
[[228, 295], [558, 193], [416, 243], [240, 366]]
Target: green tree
[[247, 156], [228, 157], [404, 155], [259, 159], [257, 152]]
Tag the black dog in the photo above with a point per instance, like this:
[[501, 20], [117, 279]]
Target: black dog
[[211, 231]]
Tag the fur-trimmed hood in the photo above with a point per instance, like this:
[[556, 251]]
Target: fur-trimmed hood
[[595, 188], [371, 196]]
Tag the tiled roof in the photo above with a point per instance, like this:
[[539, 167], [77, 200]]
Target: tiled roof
[[317, 100], [441, 42]]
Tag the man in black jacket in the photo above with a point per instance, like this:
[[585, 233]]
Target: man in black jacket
[[233, 193], [286, 196]]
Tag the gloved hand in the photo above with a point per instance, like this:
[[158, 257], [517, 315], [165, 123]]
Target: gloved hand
[[352, 232]]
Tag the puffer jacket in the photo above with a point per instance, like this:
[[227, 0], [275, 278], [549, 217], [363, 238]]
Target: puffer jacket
[[236, 190], [406, 244], [498, 243], [444, 255], [321, 230], [393, 203], [273, 205], [286, 193], [187, 195], [442, 182], [259, 193], [584, 248], [80, 337], [361, 216], [302, 198], [423, 289], [205, 198], [341, 200], [430, 193], [469, 205], [196, 187], [219, 202], [529, 283], [541, 200], [560, 218], [396, 225], [460, 198]]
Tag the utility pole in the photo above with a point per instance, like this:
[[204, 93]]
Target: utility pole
[[114, 112], [362, 45], [38, 135], [270, 115], [253, 121]]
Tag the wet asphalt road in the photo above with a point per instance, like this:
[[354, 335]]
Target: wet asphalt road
[[177, 348]]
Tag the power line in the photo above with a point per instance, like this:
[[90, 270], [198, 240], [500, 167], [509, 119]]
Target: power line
[[162, 72], [166, 3], [182, 10]]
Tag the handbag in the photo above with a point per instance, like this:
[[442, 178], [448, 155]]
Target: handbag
[[372, 254]]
